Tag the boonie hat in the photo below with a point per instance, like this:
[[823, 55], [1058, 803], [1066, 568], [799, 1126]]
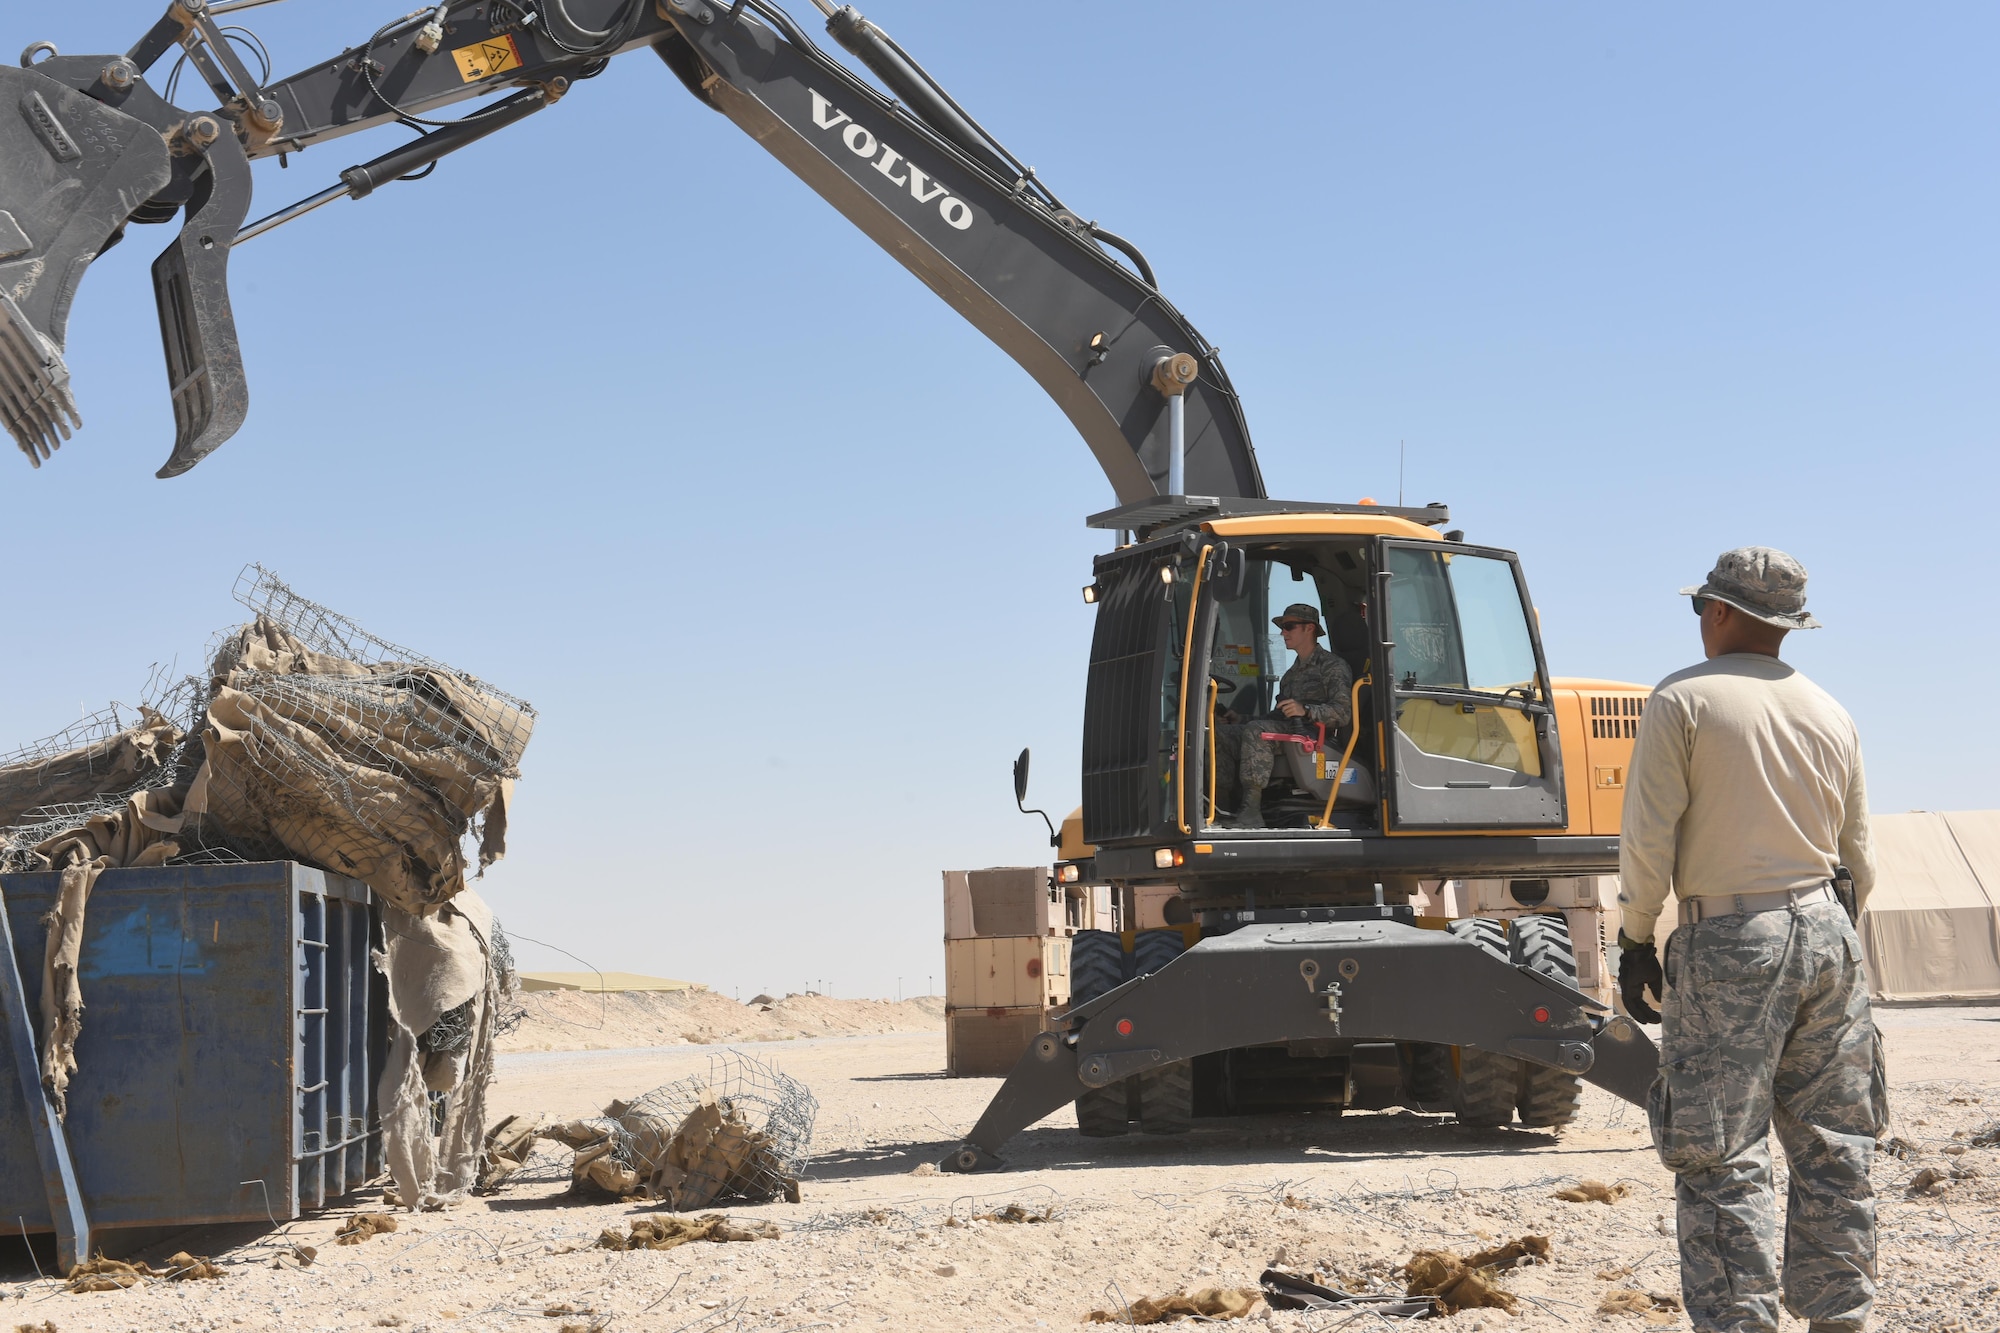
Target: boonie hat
[[1760, 582], [1300, 611]]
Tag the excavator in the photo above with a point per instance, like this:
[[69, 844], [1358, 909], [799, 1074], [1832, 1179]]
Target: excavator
[[1288, 954]]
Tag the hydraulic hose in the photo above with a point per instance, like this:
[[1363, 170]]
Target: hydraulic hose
[[1130, 251]]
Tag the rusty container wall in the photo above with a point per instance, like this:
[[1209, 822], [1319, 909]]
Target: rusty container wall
[[233, 1030]]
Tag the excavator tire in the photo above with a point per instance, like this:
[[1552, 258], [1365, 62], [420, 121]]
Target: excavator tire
[[1549, 1097], [1488, 1085], [1097, 962], [1166, 1096], [1426, 1073]]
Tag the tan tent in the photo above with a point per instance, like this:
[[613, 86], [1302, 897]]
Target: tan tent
[[1932, 928]]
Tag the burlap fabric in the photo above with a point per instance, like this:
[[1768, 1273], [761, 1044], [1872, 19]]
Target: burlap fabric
[[434, 965], [377, 772]]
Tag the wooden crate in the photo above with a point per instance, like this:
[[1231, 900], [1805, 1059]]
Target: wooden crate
[[987, 1043], [1008, 972], [1004, 900]]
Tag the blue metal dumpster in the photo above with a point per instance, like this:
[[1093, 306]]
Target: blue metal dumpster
[[233, 1030]]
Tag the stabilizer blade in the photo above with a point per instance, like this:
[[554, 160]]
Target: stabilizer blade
[[191, 283]]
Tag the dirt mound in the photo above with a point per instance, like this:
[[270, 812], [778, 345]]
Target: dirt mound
[[582, 1021]]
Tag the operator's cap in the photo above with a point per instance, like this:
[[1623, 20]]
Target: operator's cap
[[1760, 582], [1300, 611]]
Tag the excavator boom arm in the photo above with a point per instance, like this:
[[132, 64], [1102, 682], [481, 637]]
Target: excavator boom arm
[[913, 172]]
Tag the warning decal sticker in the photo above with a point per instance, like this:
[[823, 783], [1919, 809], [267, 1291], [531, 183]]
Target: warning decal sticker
[[483, 59]]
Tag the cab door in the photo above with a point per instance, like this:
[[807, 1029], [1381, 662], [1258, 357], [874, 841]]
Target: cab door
[[1464, 709]]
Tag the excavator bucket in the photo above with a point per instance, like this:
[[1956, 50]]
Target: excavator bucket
[[72, 170]]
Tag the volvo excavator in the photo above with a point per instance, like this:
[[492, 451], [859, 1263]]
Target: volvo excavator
[[1296, 946]]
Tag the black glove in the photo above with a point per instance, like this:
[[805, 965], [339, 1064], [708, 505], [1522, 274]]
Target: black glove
[[1639, 972]]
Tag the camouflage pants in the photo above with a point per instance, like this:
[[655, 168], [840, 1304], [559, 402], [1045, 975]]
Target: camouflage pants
[[1240, 748], [1766, 1022]]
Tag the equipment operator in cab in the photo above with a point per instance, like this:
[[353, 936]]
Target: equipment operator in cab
[[1745, 797], [1317, 688]]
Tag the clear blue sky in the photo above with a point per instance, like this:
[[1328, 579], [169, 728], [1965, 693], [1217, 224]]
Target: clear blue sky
[[615, 413]]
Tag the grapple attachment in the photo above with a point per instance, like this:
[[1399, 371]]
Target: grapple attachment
[[191, 284], [72, 171]]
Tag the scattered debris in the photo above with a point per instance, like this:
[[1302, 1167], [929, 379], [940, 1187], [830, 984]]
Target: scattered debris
[[924, 1169], [362, 1227], [710, 1153], [102, 1274], [1593, 1191], [742, 1132], [1013, 1212], [1901, 1147], [1289, 1291], [666, 1233], [1613, 1274], [557, 1311], [1514, 1254], [1462, 1283], [1988, 1137], [1929, 1181], [185, 1267], [1207, 1303], [1657, 1307], [302, 1255], [46, 1326], [508, 1147]]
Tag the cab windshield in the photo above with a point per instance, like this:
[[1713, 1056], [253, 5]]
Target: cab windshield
[[1459, 625]]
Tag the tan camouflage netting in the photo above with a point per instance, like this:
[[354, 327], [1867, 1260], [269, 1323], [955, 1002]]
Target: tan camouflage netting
[[310, 740]]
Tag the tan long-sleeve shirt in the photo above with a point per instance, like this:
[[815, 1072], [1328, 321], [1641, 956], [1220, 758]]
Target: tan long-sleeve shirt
[[1746, 778]]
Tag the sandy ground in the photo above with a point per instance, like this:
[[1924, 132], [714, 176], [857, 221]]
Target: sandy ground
[[575, 1021], [871, 1245]]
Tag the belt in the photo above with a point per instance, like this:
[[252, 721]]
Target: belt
[[1731, 904]]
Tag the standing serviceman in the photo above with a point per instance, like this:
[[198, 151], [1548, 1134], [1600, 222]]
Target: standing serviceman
[[1743, 796]]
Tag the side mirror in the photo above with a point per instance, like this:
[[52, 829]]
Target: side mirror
[[1229, 569], [1021, 797]]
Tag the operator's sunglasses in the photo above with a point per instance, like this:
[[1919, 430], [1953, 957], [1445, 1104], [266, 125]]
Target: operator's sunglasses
[[1289, 625], [1700, 605]]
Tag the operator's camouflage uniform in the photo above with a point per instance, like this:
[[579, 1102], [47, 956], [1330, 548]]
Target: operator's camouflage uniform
[[1766, 1021], [1322, 683]]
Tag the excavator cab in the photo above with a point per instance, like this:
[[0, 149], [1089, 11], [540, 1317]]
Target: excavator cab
[[1452, 712]]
